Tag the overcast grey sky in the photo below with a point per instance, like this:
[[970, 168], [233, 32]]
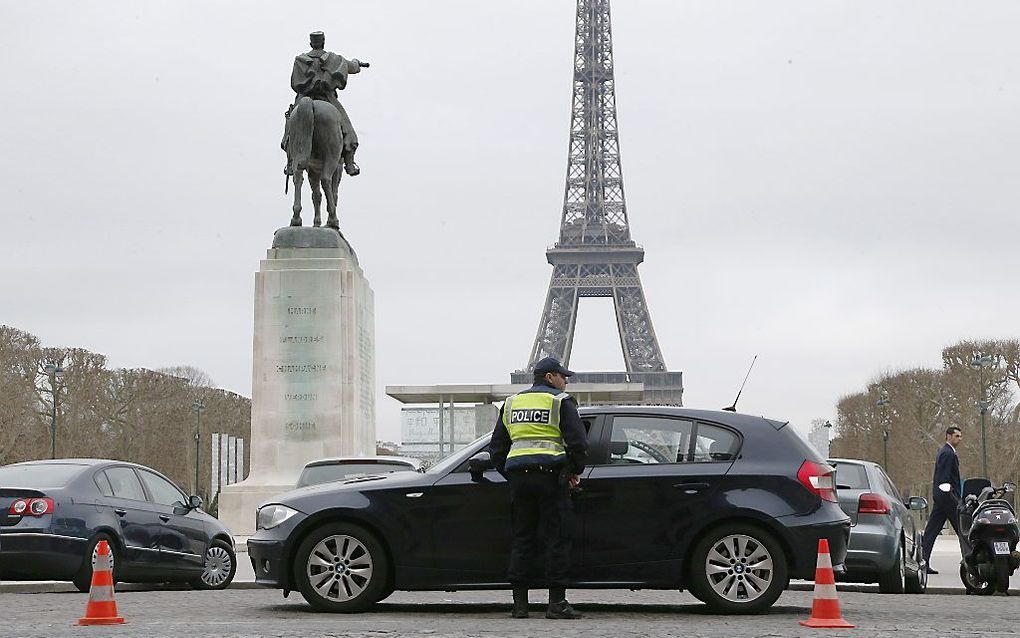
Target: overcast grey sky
[[830, 185]]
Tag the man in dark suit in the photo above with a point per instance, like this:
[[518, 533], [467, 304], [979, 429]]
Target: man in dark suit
[[946, 499]]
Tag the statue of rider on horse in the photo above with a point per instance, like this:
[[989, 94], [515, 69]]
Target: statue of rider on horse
[[319, 138]]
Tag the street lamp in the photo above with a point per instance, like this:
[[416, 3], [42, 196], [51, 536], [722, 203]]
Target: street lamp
[[197, 406], [979, 363], [883, 401], [55, 374]]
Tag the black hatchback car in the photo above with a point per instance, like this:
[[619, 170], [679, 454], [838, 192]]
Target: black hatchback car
[[54, 513], [726, 505]]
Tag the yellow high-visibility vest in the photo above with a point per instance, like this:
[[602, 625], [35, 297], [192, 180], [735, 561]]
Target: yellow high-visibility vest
[[533, 421]]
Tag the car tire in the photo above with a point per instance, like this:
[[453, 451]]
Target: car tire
[[83, 579], [341, 567], [892, 581], [917, 580], [738, 569], [220, 567]]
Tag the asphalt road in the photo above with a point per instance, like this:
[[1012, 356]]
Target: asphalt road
[[246, 613]]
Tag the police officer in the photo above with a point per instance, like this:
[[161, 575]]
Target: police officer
[[539, 444]]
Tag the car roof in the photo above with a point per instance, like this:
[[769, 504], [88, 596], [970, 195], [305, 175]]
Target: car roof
[[82, 462], [722, 416], [341, 460]]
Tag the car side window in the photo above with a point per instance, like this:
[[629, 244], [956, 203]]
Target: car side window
[[125, 484], [713, 444], [163, 491], [103, 484], [890, 486], [649, 440]]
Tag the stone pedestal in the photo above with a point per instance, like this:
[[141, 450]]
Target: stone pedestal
[[313, 371]]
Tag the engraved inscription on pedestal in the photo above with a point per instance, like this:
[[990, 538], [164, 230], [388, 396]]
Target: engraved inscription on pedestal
[[313, 393]]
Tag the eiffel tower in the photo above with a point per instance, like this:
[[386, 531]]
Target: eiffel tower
[[595, 255]]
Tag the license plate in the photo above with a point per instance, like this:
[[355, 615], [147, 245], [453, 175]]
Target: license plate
[[1001, 547]]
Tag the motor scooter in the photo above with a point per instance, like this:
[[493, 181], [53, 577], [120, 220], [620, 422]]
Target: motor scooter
[[990, 524]]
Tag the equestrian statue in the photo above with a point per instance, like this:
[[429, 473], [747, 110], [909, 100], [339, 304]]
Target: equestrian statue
[[318, 137]]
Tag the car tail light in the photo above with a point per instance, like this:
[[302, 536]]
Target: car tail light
[[871, 503], [818, 479], [31, 507]]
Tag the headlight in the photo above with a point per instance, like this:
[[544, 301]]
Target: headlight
[[272, 515]]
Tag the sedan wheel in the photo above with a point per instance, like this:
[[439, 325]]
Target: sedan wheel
[[341, 568], [892, 582], [220, 565], [83, 579], [738, 569], [917, 581]]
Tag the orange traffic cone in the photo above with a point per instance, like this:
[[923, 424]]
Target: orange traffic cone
[[825, 610], [101, 609]]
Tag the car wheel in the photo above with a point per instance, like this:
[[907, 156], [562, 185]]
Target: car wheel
[[738, 569], [341, 568], [917, 581], [220, 565], [892, 581], [83, 579]]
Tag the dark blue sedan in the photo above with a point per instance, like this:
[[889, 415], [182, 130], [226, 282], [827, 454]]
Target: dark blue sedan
[[54, 513], [728, 506]]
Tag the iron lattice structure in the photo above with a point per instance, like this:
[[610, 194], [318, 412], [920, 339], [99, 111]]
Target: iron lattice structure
[[595, 255]]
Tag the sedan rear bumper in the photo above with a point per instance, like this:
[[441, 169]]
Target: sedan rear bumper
[[804, 543], [872, 549], [40, 555]]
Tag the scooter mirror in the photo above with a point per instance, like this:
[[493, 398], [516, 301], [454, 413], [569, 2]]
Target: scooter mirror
[[1009, 487], [944, 487]]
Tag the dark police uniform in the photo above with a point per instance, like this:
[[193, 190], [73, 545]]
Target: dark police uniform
[[539, 440]]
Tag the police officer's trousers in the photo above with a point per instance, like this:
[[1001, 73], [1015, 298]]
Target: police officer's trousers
[[542, 519]]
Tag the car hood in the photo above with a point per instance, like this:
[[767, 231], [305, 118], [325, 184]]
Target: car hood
[[339, 489]]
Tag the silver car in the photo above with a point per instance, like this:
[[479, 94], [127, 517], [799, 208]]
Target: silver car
[[885, 542]]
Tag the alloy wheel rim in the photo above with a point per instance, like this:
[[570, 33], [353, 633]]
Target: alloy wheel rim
[[217, 567], [339, 568], [739, 568]]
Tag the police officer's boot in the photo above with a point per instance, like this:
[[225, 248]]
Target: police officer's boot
[[520, 609], [559, 608]]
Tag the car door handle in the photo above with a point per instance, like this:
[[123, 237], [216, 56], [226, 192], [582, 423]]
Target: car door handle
[[414, 494], [121, 512], [164, 518], [691, 487]]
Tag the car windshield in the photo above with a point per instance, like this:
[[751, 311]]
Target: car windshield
[[339, 471], [39, 475], [447, 463], [851, 476]]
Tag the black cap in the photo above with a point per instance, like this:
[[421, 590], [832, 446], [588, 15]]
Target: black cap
[[550, 364]]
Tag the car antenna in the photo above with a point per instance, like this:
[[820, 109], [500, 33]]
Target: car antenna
[[733, 408]]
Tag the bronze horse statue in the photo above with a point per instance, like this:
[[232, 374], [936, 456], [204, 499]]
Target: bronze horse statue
[[315, 145]]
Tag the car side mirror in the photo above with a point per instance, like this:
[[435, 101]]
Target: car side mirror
[[477, 465], [194, 502], [917, 503]]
